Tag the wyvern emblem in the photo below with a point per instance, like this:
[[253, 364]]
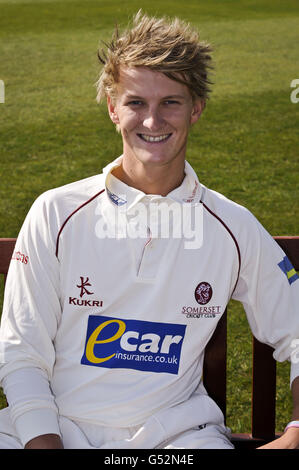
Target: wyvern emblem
[[203, 293]]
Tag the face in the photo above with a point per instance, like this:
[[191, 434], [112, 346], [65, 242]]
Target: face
[[154, 114]]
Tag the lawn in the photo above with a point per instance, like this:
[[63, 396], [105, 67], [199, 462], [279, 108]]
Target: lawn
[[245, 146]]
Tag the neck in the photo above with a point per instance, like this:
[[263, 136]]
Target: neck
[[150, 179]]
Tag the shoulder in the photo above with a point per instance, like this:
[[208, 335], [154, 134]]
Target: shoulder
[[228, 212], [63, 200], [247, 231], [50, 209], [74, 193]]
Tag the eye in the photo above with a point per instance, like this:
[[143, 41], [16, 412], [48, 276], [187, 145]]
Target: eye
[[169, 102], [135, 103]]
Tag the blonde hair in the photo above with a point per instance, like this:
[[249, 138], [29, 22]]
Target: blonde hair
[[169, 46]]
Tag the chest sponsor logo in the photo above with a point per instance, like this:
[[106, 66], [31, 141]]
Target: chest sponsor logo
[[85, 291], [133, 344]]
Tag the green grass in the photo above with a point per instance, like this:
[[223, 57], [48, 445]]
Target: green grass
[[245, 146]]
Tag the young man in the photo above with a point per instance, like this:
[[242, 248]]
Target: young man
[[105, 325]]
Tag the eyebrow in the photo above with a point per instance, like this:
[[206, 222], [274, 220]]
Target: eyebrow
[[135, 97]]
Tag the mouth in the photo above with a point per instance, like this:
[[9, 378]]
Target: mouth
[[154, 139]]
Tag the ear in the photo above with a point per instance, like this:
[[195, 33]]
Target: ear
[[112, 111], [198, 107]]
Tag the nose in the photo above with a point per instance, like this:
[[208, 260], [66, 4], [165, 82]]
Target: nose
[[153, 119]]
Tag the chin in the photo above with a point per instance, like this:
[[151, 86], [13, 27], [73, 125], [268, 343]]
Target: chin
[[146, 156], [154, 159]]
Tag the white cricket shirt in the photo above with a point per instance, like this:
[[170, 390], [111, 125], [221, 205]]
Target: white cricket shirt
[[106, 321]]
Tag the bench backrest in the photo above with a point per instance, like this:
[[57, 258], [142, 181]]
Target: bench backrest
[[6, 250], [214, 375]]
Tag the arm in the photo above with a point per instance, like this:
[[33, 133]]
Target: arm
[[290, 438], [46, 441], [31, 313], [270, 296], [32, 406], [295, 394]]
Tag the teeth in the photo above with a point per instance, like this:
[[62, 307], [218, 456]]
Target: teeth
[[150, 138]]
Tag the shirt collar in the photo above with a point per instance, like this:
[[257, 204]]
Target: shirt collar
[[122, 195]]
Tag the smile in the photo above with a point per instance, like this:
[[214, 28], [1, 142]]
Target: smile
[[150, 138]]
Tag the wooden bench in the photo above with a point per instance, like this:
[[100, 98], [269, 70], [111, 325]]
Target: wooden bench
[[214, 375], [263, 394]]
